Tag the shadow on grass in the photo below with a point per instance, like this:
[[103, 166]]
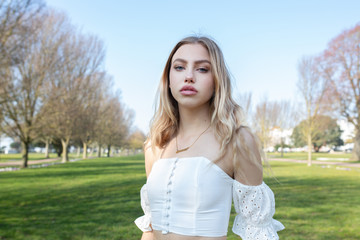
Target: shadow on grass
[[81, 169], [93, 199]]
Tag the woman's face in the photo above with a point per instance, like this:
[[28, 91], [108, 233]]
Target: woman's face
[[191, 77]]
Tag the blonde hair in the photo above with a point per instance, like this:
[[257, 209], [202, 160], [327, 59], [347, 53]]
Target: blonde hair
[[226, 115]]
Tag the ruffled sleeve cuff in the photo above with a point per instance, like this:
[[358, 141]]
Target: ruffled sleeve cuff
[[255, 208], [261, 232], [144, 222]]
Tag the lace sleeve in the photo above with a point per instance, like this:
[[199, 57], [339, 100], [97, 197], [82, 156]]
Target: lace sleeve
[[255, 208], [144, 222]]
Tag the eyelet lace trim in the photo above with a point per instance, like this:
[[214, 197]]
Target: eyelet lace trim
[[144, 222], [255, 208]]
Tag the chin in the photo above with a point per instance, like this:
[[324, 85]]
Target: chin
[[192, 105]]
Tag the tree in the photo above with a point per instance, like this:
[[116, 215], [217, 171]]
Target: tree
[[137, 139], [14, 30], [265, 119], [21, 99], [90, 109], [313, 89], [340, 64], [114, 124], [328, 133], [69, 94], [14, 16], [285, 119], [15, 145]]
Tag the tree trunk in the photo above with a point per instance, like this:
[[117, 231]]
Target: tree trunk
[[47, 148], [84, 150], [78, 151], [25, 153], [65, 156], [355, 156], [309, 143], [282, 147], [108, 150], [99, 151]]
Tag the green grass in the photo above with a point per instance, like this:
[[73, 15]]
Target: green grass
[[314, 156], [17, 156], [32, 156], [99, 199], [316, 202]]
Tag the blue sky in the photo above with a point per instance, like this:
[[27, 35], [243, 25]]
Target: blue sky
[[262, 40]]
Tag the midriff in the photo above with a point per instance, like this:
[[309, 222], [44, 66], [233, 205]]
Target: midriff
[[172, 236]]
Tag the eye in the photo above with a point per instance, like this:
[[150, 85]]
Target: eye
[[203, 70], [179, 68]]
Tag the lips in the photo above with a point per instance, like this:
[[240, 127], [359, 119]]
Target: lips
[[188, 90]]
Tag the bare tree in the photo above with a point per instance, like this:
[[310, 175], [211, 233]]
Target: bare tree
[[114, 124], [91, 109], [14, 30], [14, 16], [74, 83], [286, 119], [313, 89], [340, 64], [25, 80], [136, 140], [265, 119]]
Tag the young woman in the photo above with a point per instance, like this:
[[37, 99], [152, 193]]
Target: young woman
[[200, 155]]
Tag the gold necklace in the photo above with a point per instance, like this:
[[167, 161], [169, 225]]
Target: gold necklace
[[185, 149]]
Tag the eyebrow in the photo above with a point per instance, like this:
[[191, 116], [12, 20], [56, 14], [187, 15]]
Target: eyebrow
[[196, 62]]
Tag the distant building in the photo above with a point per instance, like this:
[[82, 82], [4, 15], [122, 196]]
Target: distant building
[[276, 134], [5, 144], [347, 135], [348, 129]]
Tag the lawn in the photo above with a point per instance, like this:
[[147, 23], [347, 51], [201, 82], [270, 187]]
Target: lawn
[[338, 156], [17, 156], [99, 199], [32, 156]]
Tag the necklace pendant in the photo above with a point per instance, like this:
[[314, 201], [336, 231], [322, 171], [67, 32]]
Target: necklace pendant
[[182, 150]]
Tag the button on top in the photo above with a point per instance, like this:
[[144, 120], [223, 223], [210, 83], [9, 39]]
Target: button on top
[[167, 207]]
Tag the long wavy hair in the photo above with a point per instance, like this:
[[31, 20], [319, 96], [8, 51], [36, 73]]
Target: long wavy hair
[[227, 116]]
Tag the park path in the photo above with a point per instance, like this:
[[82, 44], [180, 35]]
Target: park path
[[19, 162], [340, 164]]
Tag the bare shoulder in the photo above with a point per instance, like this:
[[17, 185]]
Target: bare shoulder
[[151, 155], [249, 169], [249, 139]]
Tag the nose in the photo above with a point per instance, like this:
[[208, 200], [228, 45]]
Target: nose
[[189, 78]]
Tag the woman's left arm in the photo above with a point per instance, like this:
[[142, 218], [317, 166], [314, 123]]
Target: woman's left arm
[[254, 201]]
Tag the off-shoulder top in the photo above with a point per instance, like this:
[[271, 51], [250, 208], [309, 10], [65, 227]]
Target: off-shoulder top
[[193, 196]]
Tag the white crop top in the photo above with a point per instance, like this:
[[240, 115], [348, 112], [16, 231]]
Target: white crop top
[[192, 197]]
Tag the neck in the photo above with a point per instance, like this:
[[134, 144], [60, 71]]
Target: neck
[[193, 120]]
